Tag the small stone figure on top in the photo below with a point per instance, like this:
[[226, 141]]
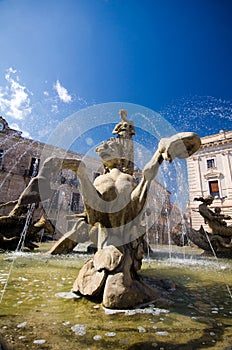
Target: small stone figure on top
[[125, 130]]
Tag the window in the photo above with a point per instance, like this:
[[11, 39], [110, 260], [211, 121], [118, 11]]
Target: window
[[1, 156], [34, 167], [210, 163], [214, 188], [75, 204]]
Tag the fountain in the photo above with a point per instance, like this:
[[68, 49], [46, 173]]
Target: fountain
[[217, 239], [114, 206], [19, 229], [36, 304]]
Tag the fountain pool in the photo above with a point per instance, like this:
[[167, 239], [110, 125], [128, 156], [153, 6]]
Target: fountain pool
[[39, 312]]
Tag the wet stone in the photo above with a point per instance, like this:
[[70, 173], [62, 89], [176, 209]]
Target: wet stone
[[110, 334], [67, 295], [97, 337], [39, 341], [141, 329], [162, 333], [89, 281], [21, 325], [79, 329]]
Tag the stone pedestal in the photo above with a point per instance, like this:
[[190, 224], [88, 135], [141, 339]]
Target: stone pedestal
[[111, 276]]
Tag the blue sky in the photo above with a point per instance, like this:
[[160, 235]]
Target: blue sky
[[171, 56]]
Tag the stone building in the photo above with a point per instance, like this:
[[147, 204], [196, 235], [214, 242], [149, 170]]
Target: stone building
[[21, 158], [210, 173]]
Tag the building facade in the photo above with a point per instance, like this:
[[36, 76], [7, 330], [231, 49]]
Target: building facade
[[210, 173], [21, 158]]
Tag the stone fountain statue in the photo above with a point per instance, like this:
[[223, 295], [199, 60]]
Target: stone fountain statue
[[13, 224], [114, 207], [218, 237]]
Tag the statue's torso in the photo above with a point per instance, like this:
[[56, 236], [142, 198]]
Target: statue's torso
[[115, 185], [116, 206]]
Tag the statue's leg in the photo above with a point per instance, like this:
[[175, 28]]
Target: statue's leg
[[78, 234], [31, 193], [40, 185], [44, 223]]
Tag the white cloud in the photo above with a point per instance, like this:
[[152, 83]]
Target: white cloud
[[25, 133], [14, 97], [62, 92], [12, 70]]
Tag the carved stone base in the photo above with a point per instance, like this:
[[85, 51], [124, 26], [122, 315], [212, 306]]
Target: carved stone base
[[120, 293], [111, 276]]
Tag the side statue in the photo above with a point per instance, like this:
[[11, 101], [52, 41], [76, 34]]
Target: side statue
[[114, 206], [13, 224], [218, 237]]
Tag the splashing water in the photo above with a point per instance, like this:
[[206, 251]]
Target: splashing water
[[9, 171], [219, 266], [205, 115], [19, 248]]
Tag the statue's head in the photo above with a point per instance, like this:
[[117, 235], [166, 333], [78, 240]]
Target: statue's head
[[208, 200], [123, 114], [217, 210], [110, 153]]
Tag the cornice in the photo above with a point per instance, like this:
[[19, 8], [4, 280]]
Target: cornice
[[212, 174], [216, 143]]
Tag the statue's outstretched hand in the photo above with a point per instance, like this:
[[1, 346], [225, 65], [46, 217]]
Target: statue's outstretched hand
[[181, 145]]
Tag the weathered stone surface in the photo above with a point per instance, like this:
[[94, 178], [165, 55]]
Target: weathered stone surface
[[107, 258], [181, 145], [124, 288], [89, 281], [218, 237], [122, 293], [78, 234], [8, 243], [12, 226]]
